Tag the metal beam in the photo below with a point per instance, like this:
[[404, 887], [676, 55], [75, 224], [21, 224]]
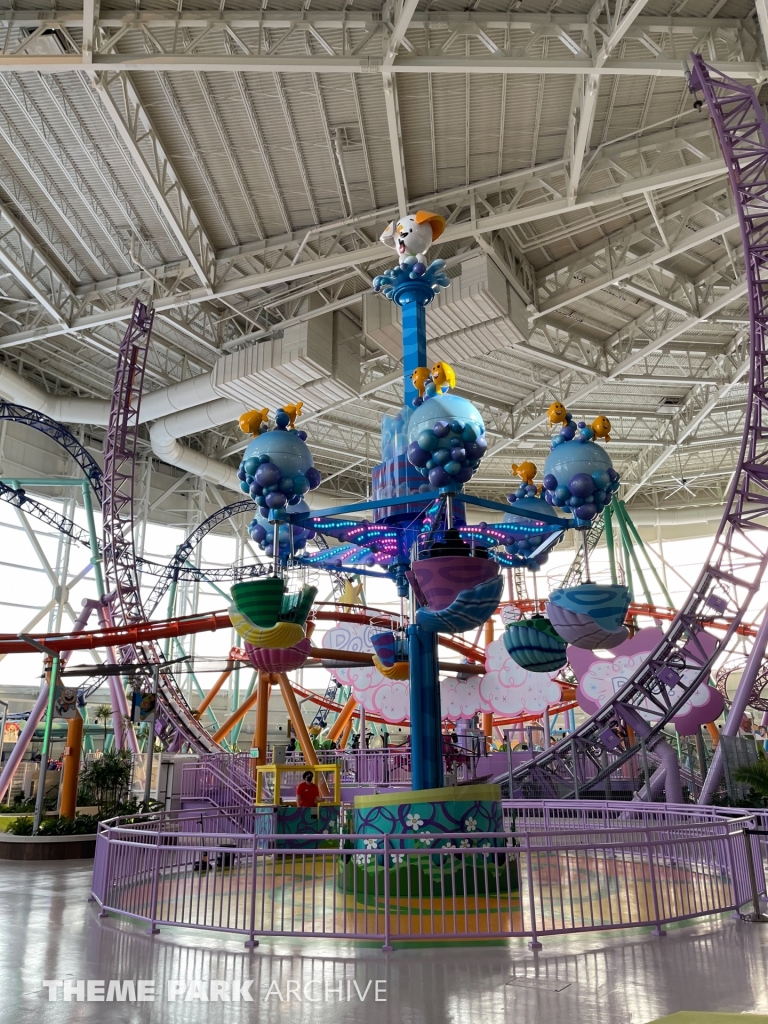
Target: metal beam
[[41, 130], [622, 263], [392, 103], [141, 139], [371, 254], [587, 87], [553, 24], [687, 429], [526, 423], [494, 64], [394, 129], [20, 146], [32, 269], [549, 176], [761, 9]]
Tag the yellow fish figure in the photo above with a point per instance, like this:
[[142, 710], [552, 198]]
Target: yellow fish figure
[[556, 413], [292, 411], [602, 427], [251, 421], [419, 379], [443, 377], [526, 471]]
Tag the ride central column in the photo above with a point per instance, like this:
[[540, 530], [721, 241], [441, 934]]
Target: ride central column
[[412, 296]]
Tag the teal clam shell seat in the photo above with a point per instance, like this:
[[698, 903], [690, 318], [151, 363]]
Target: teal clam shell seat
[[590, 615], [535, 644]]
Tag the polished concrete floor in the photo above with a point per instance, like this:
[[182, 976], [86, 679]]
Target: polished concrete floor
[[50, 932]]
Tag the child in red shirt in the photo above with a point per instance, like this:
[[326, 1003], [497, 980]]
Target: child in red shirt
[[307, 793]]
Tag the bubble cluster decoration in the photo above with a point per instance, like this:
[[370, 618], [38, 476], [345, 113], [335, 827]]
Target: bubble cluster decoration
[[578, 474], [528, 534], [434, 276], [277, 467], [446, 440], [291, 538]]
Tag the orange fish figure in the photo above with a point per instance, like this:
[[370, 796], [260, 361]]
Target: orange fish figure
[[292, 411], [602, 427], [556, 413], [251, 421], [419, 379], [526, 471]]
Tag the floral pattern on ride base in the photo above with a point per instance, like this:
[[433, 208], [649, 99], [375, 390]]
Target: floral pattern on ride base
[[417, 826], [295, 821]]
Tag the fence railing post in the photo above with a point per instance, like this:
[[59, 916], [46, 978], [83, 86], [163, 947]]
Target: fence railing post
[[107, 866], [534, 943], [658, 930], [153, 929], [732, 872], [756, 917], [387, 947], [252, 941]]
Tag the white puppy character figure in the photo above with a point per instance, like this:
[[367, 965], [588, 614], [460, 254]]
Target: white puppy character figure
[[412, 236]]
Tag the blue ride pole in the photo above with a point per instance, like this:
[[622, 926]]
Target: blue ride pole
[[426, 738]]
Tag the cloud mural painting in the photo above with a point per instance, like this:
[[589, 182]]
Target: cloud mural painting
[[505, 689], [387, 698], [508, 689], [459, 698], [601, 678]]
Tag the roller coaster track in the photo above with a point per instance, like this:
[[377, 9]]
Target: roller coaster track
[[174, 570], [736, 564], [178, 564], [121, 574], [756, 699], [58, 433], [20, 499]]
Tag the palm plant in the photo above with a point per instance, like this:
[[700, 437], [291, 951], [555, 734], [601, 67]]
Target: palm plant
[[755, 775], [106, 781], [103, 714]]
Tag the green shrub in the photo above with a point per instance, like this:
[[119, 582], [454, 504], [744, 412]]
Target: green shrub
[[20, 803], [104, 782], [84, 824], [756, 777], [50, 827], [21, 826], [133, 807]]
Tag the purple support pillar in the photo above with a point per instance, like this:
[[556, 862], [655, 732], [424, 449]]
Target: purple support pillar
[[738, 707], [668, 773], [119, 703], [35, 717]]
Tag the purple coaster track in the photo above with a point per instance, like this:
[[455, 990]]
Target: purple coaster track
[[734, 569], [175, 568], [176, 723], [58, 433]]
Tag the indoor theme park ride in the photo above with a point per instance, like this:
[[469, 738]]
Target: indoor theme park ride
[[417, 534], [418, 537]]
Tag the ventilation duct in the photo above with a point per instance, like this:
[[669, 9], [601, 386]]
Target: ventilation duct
[[316, 362], [478, 313]]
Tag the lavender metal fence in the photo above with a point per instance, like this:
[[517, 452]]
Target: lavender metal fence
[[609, 873], [220, 779], [554, 815], [381, 768]]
